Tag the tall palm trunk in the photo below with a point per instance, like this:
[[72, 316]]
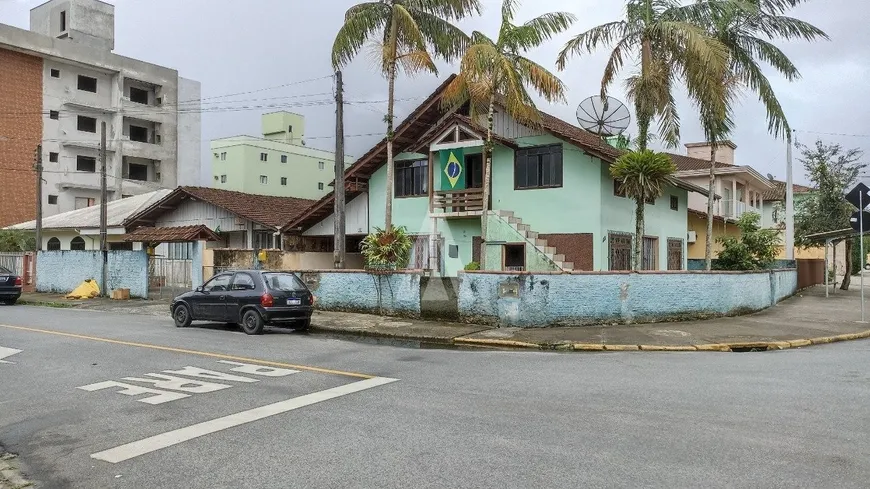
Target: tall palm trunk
[[391, 77], [638, 231], [487, 170], [640, 106], [708, 247]]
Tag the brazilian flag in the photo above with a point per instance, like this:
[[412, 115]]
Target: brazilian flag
[[452, 169]]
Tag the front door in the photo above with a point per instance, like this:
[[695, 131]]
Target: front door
[[242, 291], [474, 171], [210, 304]]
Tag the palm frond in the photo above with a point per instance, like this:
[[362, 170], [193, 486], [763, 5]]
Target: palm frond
[[445, 39], [508, 10], [642, 174], [545, 83], [765, 51], [787, 28], [534, 32], [446, 9], [752, 75], [361, 21], [586, 42]]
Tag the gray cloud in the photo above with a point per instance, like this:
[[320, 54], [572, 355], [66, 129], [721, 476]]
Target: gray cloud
[[233, 46]]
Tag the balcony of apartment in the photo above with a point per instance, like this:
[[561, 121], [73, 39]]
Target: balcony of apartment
[[143, 100], [735, 209], [140, 174], [142, 139]]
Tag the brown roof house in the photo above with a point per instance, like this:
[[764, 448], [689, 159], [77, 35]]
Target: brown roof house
[[551, 204]]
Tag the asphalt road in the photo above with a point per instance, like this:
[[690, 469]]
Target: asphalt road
[[452, 419]]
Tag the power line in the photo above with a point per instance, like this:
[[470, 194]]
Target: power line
[[834, 134]]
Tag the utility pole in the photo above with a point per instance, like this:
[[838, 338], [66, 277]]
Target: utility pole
[[338, 190], [103, 211], [789, 202], [38, 200]]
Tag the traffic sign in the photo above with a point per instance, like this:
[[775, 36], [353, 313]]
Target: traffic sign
[[856, 221], [859, 196]]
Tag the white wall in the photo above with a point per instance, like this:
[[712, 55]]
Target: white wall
[[356, 219]]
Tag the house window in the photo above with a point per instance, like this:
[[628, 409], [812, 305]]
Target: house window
[[120, 246], [411, 178], [675, 203], [82, 202], [138, 172], [223, 179], [319, 185], [52, 199], [283, 158], [86, 124], [284, 181], [52, 157], [538, 167], [53, 114], [138, 95], [675, 254], [262, 240], [54, 73], [138, 133], [321, 165], [53, 244], [515, 257], [77, 244], [264, 157], [474, 171], [223, 156], [264, 179], [179, 251], [650, 254], [63, 21], [86, 163], [619, 251], [87, 84]]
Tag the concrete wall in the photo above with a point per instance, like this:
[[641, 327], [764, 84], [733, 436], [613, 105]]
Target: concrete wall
[[63, 271], [190, 146], [536, 300], [390, 294]]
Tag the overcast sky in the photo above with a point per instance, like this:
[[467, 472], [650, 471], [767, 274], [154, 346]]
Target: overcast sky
[[233, 46]]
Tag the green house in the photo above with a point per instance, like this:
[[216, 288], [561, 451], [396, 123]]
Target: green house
[[552, 204]]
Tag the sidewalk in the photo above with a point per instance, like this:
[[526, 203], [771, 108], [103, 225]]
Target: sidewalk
[[807, 319]]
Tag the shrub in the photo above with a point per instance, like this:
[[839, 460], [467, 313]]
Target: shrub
[[388, 250], [473, 266], [755, 249]]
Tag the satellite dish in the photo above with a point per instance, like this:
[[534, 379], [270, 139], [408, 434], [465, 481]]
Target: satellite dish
[[605, 117]]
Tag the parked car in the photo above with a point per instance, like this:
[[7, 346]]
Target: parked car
[[10, 286], [250, 298]]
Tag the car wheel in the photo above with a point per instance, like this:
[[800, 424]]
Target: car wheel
[[252, 322], [182, 316], [302, 325]]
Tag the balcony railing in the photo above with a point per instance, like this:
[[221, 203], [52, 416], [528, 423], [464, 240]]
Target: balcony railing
[[468, 200], [740, 208]]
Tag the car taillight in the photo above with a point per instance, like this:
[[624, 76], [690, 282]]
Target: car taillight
[[313, 299], [266, 300], [18, 282]]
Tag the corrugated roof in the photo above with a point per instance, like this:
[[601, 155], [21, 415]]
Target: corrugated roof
[[89, 217], [778, 191], [267, 210]]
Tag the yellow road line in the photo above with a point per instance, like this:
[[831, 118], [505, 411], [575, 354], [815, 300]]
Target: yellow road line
[[192, 352]]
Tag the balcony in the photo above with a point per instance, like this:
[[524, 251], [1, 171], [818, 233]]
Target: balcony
[[740, 207], [458, 203]]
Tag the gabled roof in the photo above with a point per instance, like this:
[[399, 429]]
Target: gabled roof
[[179, 234], [687, 163], [427, 116], [778, 190], [266, 210], [117, 211]]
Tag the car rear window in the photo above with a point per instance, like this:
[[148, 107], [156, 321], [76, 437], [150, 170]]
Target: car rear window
[[5, 270], [286, 282]]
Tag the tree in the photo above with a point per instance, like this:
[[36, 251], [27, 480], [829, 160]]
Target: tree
[[746, 29], [13, 241], [404, 32], [671, 44], [833, 171], [755, 249], [642, 176], [498, 68]]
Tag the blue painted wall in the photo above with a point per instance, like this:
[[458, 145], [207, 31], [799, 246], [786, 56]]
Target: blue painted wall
[[698, 264], [531, 300], [62, 271], [392, 294]]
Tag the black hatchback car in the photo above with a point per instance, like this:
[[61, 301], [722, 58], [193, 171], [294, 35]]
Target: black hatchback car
[[10, 286], [250, 298]]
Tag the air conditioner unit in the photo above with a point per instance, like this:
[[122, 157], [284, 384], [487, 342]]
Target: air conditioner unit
[[692, 237]]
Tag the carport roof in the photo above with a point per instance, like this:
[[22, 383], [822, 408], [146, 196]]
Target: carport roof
[[181, 234]]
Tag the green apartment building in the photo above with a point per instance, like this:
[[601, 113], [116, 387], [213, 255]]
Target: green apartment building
[[278, 163]]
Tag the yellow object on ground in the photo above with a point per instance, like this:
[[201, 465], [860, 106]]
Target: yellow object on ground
[[87, 290]]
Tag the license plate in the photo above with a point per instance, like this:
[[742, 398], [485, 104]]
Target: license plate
[[294, 302]]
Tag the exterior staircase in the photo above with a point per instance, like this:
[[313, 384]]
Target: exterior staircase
[[531, 237]]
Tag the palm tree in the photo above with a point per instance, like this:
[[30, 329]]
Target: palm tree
[[492, 69], [670, 44], [746, 30], [642, 176], [405, 32]]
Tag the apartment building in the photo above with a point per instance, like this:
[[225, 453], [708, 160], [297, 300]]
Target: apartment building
[[59, 83], [278, 163]]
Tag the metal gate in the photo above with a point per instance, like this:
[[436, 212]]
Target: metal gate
[[14, 262], [168, 277], [620, 251]]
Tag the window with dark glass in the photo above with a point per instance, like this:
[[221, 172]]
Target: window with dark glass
[[412, 178], [138, 133], [86, 163], [53, 244], [675, 203], [86, 124], [138, 172], [87, 84], [538, 167], [138, 95], [474, 171], [77, 244]]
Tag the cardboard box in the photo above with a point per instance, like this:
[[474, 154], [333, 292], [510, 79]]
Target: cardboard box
[[121, 294]]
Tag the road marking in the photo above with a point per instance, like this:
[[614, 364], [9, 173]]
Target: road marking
[[192, 352], [159, 396], [7, 352], [170, 438]]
